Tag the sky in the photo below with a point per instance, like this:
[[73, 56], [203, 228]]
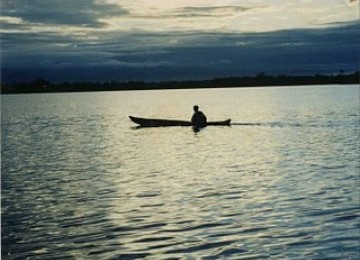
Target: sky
[[103, 40]]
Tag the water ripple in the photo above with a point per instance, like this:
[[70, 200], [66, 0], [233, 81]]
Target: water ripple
[[79, 183]]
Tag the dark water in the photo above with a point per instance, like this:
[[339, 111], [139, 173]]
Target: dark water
[[79, 182]]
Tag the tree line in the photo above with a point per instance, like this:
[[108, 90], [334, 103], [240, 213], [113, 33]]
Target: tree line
[[41, 85]]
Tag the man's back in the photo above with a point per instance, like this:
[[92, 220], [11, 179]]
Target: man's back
[[198, 119]]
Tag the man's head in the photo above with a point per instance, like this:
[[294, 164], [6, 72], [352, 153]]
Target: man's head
[[196, 108]]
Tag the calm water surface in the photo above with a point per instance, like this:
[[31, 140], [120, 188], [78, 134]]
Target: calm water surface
[[79, 182]]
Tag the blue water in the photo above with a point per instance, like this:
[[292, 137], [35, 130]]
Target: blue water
[[78, 181]]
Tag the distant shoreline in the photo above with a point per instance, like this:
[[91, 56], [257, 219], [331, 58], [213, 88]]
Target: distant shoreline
[[261, 80]]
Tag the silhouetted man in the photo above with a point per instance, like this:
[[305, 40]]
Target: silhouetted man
[[198, 119]]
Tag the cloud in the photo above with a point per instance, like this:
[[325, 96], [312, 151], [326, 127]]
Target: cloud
[[221, 62], [352, 2], [150, 56], [154, 39], [193, 12], [144, 64], [61, 12], [90, 17]]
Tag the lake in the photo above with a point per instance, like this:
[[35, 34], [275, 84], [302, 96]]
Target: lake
[[79, 181]]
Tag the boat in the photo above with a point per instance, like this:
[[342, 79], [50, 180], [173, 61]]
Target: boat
[[152, 122]]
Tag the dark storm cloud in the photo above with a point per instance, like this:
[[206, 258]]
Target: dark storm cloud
[[25, 40], [158, 56], [61, 12], [200, 49]]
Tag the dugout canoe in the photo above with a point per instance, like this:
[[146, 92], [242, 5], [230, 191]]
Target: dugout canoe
[[152, 122]]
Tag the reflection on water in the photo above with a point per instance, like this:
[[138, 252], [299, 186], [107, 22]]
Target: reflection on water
[[78, 181]]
